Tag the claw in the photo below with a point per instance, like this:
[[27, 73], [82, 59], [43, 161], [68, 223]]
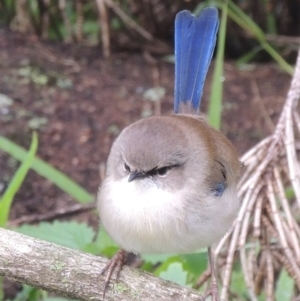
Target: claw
[[213, 292], [116, 262]]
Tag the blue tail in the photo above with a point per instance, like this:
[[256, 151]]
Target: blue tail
[[195, 40]]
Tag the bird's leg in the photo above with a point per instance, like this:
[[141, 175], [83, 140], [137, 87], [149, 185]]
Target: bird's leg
[[213, 290], [117, 263]]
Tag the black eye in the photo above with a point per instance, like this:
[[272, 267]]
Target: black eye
[[162, 171], [126, 167]]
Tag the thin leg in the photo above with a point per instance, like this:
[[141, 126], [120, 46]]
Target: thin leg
[[116, 262], [213, 290]]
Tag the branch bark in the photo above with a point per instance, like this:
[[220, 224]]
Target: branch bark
[[75, 274]]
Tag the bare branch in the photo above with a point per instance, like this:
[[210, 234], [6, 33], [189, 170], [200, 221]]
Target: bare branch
[[128, 21], [267, 220], [75, 274], [58, 213]]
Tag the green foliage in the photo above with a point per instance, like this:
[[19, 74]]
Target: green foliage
[[237, 15], [30, 293], [215, 104], [71, 234], [7, 11], [156, 258], [229, 8], [284, 287], [17, 180], [104, 244], [163, 266], [238, 282], [175, 273], [49, 172], [182, 269], [195, 263]]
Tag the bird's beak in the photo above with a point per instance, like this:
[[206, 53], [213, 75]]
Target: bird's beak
[[135, 175]]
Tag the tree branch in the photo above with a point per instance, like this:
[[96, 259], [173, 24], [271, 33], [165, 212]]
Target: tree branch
[[75, 274]]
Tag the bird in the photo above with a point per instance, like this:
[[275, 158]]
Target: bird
[[171, 181]]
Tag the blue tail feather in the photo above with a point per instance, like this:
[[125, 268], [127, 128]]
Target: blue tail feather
[[195, 39]]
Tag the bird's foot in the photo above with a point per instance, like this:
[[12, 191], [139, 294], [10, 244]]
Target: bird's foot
[[213, 292], [117, 263]]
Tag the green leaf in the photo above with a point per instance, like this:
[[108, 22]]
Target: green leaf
[[30, 293], [238, 283], [244, 21], [68, 234], [289, 192], [165, 264], [175, 273], [156, 258], [91, 27], [284, 288], [215, 104], [47, 171], [104, 244], [17, 180], [195, 263]]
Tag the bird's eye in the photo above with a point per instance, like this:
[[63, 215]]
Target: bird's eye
[[162, 171], [126, 167]]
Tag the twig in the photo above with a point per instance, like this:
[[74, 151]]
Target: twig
[[105, 35], [61, 212], [128, 21], [79, 20], [258, 101], [283, 40], [267, 220]]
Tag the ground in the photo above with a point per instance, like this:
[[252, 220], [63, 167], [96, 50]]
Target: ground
[[87, 100], [79, 102]]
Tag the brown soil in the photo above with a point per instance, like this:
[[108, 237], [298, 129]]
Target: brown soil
[[87, 100], [101, 96]]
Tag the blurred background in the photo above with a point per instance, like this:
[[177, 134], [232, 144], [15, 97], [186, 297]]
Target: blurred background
[[148, 24]]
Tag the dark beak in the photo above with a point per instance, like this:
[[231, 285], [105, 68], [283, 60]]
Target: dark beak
[[136, 175]]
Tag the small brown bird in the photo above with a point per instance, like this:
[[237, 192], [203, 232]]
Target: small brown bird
[[171, 181]]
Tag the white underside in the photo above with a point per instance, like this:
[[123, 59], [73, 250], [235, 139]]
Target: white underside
[[143, 218]]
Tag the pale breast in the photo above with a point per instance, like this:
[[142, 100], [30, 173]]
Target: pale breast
[[144, 219]]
